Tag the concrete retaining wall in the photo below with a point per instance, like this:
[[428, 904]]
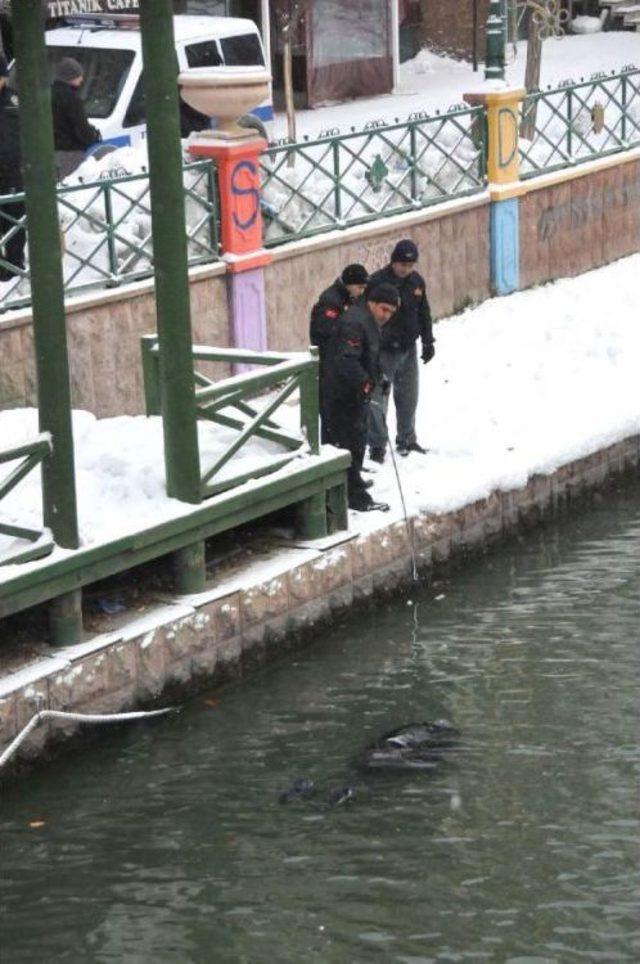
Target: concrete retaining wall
[[189, 641]]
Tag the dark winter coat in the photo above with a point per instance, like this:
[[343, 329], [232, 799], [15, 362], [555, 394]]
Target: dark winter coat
[[353, 368], [412, 320], [71, 129], [10, 155], [326, 312]]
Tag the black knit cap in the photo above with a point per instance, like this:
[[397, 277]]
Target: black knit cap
[[405, 251], [354, 274], [68, 69], [384, 294]]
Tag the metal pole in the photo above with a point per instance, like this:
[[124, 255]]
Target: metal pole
[[45, 264], [494, 62], [170, 251], [474, 47]]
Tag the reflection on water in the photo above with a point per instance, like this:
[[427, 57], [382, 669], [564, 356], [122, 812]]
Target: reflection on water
[[168, 843]]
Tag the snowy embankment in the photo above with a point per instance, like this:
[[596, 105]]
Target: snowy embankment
[[519, 385]]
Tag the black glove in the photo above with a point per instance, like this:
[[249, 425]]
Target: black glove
[[428, 351], [385, 385]]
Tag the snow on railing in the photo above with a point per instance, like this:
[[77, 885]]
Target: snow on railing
[[106, 232], [576, 122], [337, 181]]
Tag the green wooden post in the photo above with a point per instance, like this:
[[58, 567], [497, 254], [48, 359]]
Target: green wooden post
[[177, 389], [150, 374], [190, 571], [310, 402], [45, 264], [65, 618]]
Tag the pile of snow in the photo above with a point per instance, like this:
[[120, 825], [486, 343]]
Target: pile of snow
[[519, 385], [584, 24], [120, 477]]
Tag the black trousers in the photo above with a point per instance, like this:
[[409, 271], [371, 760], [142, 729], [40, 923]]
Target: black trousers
[[347, 429], [13, 248]]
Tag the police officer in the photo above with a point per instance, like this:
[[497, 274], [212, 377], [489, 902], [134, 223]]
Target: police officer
[[398, 352], [344, 292], [10, 180], [72, 132], [350, 376]]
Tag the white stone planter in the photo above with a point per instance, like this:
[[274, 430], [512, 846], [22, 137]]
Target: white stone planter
[[226, 95]]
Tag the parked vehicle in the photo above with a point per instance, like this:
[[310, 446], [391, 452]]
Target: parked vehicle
[[110, 51]]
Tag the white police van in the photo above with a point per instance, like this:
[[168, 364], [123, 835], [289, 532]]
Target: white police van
[[109, 49]]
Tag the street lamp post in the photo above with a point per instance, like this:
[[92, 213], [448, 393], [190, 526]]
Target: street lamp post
[[496, 38]]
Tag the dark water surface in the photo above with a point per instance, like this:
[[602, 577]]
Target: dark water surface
[[167, 843]]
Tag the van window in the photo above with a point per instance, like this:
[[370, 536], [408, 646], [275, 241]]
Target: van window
[[203, 54], [136, 111], [105, 74], [242, 51]]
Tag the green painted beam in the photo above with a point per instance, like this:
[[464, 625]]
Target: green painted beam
[[177, 392], [45, 262], [58, 576]]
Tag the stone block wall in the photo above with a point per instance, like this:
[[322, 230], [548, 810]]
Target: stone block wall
[[454, 259], [578, 224], [103, 338]]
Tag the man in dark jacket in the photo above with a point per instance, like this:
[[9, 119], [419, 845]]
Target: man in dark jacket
[[398, 352], [325, 315], [72, 132], [12, 236], [351, 375]]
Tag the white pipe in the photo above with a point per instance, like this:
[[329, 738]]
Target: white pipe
[[78, 718], [265, 19], [395, 43]]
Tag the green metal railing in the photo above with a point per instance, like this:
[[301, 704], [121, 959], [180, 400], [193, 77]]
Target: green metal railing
[[337, 181], [576, 122], [106, 231], [39, 541], [228, 402]]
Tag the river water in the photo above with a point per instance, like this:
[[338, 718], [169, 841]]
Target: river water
[[167, 842]]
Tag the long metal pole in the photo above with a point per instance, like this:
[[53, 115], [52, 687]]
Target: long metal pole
[[177, 389], [45, 264]]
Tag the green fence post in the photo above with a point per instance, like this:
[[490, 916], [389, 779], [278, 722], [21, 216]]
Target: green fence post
[[335, 151], [189, 568], [310, 403], [150, 374], [45, 262], [65, 618], [111, 243], [569, 123], [170, 251]]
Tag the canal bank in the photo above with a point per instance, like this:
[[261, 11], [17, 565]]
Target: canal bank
[[254, 610], [530, 400]]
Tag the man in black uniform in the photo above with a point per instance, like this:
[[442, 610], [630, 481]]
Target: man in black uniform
[[72, 132], [351, 375], [398, 352], [325, 314], [10, 180]]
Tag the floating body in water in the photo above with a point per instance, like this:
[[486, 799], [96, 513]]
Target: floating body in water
[[300, 790], [341, 795], [414, 746]]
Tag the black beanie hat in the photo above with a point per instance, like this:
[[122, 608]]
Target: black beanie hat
[[405, 251], [384, 294], [354, 274], [68, 69]]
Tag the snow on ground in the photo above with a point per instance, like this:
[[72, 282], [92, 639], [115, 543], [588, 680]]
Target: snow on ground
[[430, 82], [519, 385]]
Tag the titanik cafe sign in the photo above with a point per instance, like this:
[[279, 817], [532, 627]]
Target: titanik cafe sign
[[75, 8]]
